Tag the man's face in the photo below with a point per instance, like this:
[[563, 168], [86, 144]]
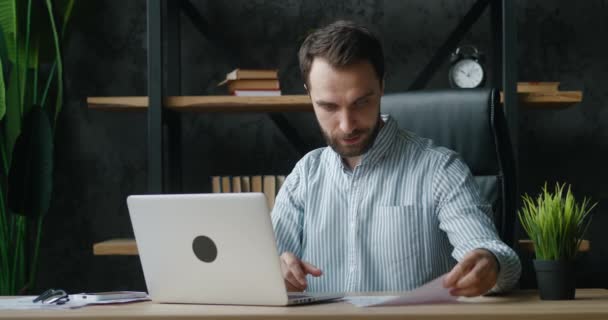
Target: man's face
[[347, 105]]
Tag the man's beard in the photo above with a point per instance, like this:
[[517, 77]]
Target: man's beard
[[348, 151]]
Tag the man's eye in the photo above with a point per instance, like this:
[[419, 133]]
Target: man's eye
[[328, 107], [362, 103]]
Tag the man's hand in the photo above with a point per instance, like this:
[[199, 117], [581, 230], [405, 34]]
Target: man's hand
[[295, 270], [475, 275]]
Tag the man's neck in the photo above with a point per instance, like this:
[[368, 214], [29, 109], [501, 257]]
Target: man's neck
[[352, 162]]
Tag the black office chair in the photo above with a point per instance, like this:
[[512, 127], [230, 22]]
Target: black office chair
[[472, 123]]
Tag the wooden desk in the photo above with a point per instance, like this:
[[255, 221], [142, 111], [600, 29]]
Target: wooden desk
[[590, 304]]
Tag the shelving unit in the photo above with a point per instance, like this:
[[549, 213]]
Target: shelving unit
[[164, 104]]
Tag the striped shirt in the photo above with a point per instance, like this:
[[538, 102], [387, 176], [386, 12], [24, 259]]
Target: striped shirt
[[404, 216]]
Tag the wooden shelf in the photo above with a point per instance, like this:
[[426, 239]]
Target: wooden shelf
[[291, 103], [120, 247], [128, 247], [545, 95], [548, 100]]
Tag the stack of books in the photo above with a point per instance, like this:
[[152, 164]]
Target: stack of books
[[250, 82], [267, 184]]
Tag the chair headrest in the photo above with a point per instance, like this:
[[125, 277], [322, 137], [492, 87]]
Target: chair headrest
[[461, 120]]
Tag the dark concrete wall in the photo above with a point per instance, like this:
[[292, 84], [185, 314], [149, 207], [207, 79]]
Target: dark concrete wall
[[101, 156]]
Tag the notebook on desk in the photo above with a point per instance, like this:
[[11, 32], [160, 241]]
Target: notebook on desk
[[210, 248]]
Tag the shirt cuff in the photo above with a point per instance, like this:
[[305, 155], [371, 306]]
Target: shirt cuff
[[509, 269]]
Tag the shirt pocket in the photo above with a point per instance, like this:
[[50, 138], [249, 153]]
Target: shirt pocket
[[396, 235]]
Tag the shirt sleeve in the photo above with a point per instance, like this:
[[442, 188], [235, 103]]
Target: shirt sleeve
[[466, 219], [287, 213]]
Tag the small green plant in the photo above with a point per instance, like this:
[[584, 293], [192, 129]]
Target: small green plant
[[555, 224]]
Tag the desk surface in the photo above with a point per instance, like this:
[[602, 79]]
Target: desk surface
[[589, 304]]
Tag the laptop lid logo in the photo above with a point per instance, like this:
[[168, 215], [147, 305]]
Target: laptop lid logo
[[204, 249]]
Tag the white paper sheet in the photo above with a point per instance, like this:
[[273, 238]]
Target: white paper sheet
[[432, 292], [25, 303]]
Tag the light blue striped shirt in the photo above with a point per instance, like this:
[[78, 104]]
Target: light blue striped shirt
[[402, 217]]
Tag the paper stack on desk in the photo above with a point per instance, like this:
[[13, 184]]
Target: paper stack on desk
[[25, 303], [432, 292]]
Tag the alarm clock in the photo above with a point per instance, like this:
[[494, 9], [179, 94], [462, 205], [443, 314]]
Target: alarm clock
[[466, 69]]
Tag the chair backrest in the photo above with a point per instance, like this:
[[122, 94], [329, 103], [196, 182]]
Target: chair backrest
[[472, 123]]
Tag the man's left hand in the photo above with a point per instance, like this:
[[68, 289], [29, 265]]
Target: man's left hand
[[475, 275]]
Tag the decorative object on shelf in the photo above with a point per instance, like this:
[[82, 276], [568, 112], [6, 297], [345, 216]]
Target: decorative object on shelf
[[31, 98], [466, 68], [556, 224], [252, 82]]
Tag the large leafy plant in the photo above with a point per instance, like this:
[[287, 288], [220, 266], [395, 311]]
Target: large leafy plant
[[31, 98], [556, 223]]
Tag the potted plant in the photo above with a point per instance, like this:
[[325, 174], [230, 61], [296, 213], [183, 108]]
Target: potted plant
[[556, 224], [31, 98]]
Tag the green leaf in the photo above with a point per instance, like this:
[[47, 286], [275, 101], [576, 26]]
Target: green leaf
[[3, 48], [2, 92], [31, 74], [66, 7], [31, 172], [12, 125], [59, 98], [8, 23]]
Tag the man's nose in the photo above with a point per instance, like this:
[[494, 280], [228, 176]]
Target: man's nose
[[347, 122]]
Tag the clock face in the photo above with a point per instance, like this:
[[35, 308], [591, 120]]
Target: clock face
[[467, 73]]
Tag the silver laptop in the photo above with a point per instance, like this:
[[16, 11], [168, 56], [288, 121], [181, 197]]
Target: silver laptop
[[210, 248]]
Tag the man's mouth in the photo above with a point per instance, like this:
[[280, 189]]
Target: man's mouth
[[352, 140]]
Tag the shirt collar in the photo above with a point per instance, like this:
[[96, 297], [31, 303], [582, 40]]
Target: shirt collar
[[380, 146]]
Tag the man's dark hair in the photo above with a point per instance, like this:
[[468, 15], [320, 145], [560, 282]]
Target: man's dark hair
[[341, 43]]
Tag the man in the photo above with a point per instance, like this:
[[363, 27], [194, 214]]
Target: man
[[381, 209]]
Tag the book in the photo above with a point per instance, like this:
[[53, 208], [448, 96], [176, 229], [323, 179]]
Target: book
[[245, 185], [253, 84], [237, 74], [236, 184], [256, 184], [280, 181], [257, 93], [215, 184], [270, 190], [225, 184]]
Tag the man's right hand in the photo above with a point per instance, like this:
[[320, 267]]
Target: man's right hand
[[295, 270]]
